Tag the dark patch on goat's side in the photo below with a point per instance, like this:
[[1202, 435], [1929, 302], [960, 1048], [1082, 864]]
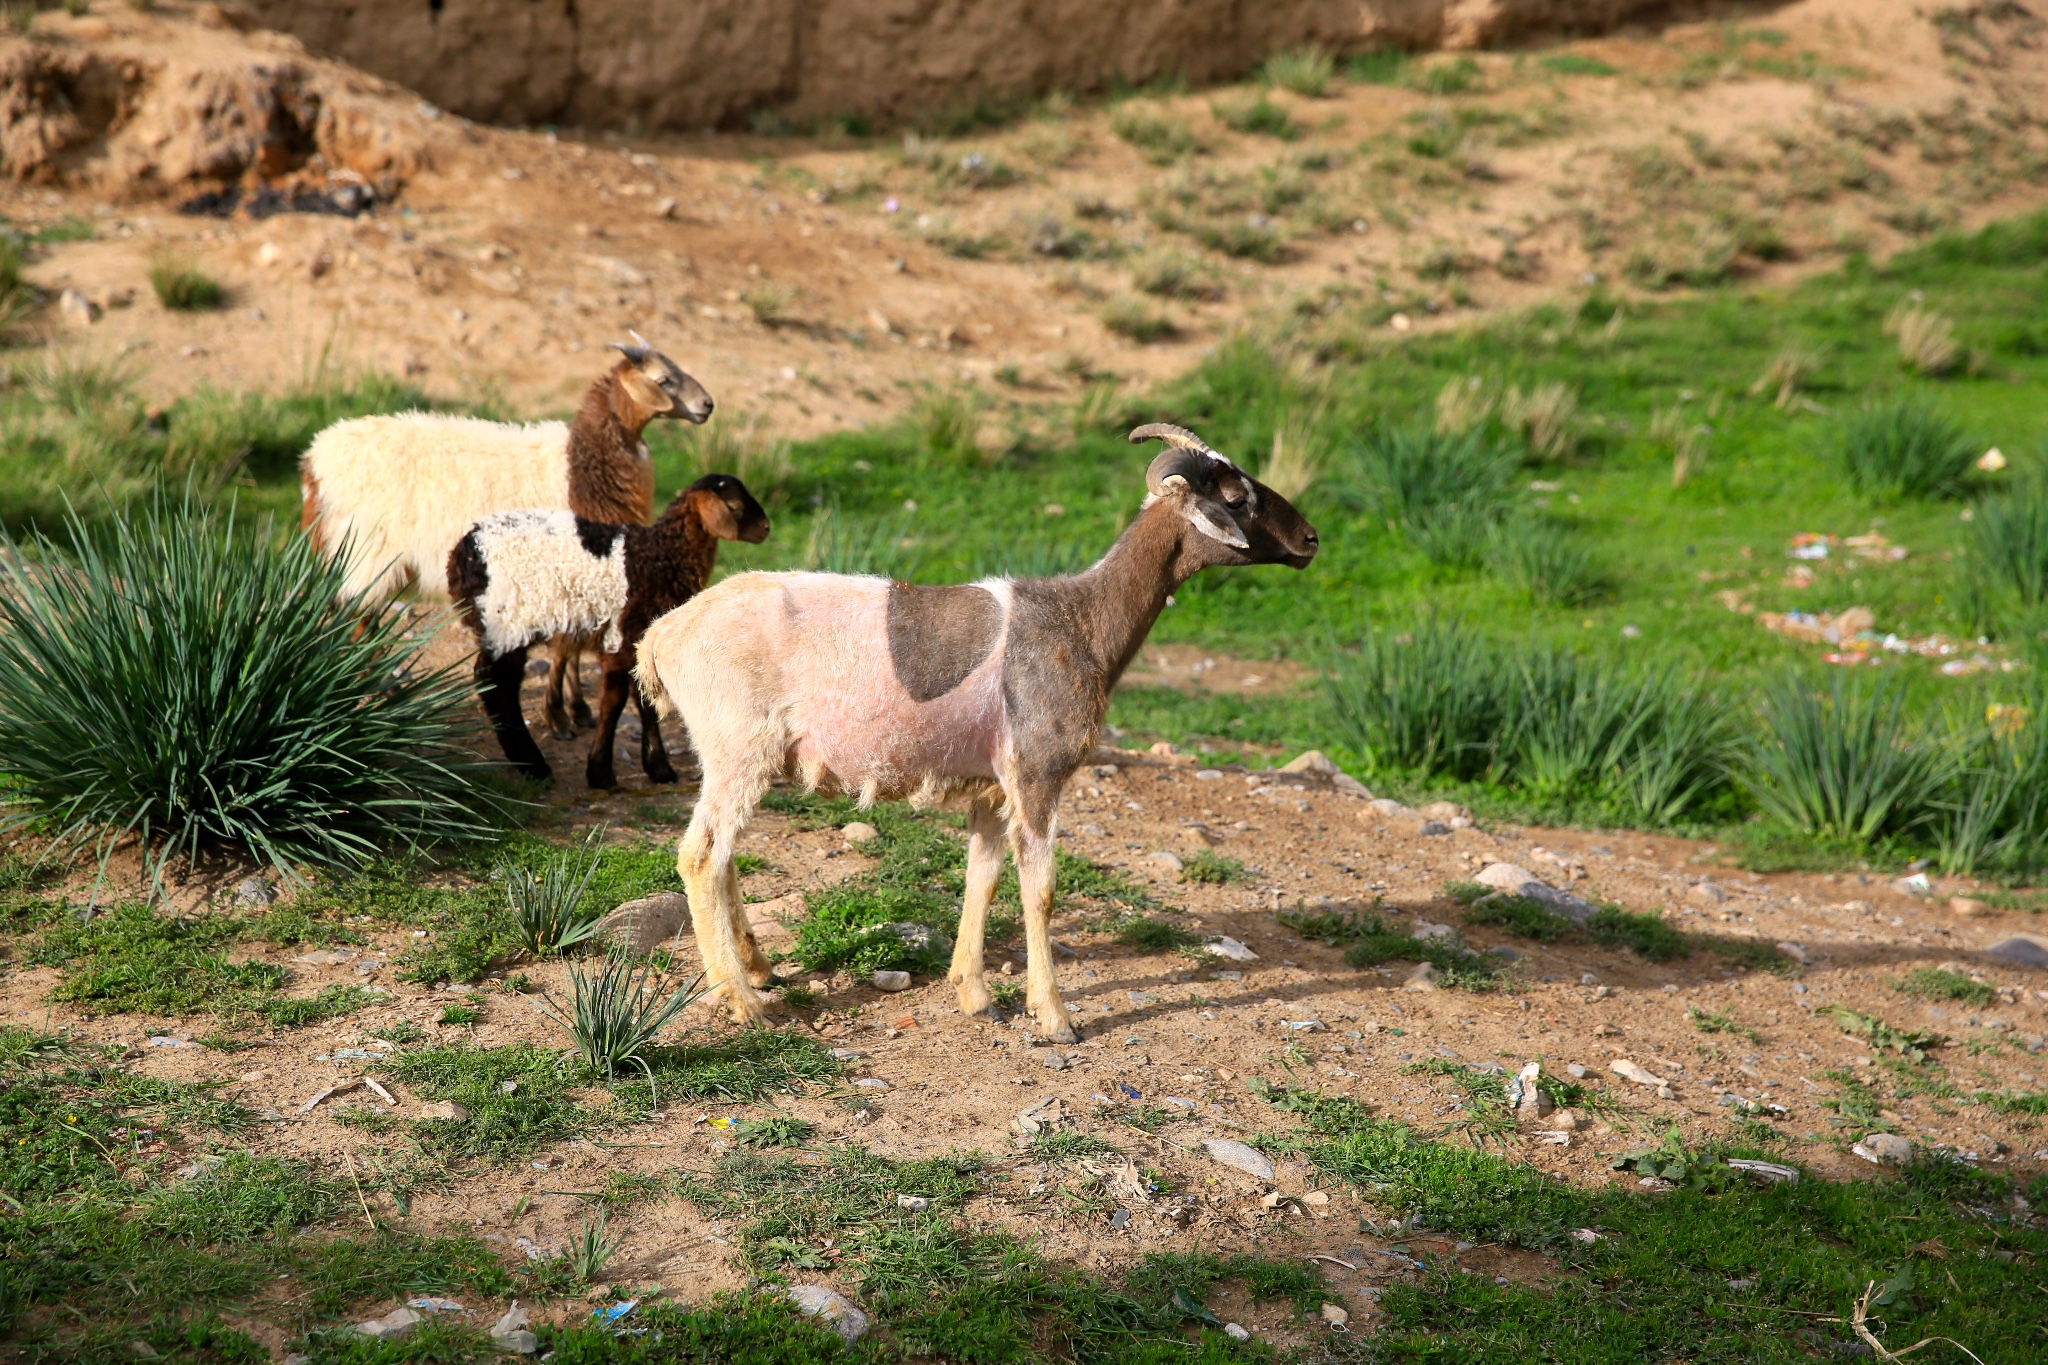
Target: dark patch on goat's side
[[468, 577], [937, 636], [1054, 688], [598, 537]]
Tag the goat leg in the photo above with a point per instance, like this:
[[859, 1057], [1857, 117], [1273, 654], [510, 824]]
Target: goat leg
[[497, 685], [653, 753], [1032, 842], [984, 867], [752, 961], [611, 703], [565, 656], [704, 861]]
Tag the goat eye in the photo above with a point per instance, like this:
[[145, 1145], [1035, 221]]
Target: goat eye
[[1234, 494]]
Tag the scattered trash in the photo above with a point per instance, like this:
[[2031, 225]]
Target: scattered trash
[[1335, 1316], [1585, 1235], [171, 1040], [845, 1054], [1884, 1148], [1177, 1102], [532, 1250], [830, 1307], [1915, 885], [1551, 1139], [915, 1203], [891, 981], [339, 1088], [1525, 1094], [348, 1054], [1991, 461], [1239, 1157], [509, 1332], [1797, 951], [616, 1311], [1303, 1025], [382, 1093], [1629, 1071], [1046, 1115], [1224, 946], [1428, 932], [1770, 1172], [1230, 1329], [430, 1304], [871, 1083], [1809, 545], [391, 1326], [1128, 1091]]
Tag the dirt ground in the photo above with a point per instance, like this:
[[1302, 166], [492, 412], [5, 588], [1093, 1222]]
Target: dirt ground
[[1189, 1034], [804, 280]]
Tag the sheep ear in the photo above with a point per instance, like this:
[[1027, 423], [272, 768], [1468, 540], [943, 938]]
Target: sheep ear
[[1199, 518], [646, 392]]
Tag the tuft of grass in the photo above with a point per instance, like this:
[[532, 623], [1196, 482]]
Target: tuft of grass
[[592, 1249], [1445, 490], [1449, 76], [2004, 567], [1066, 1146], [1160, 138], [1149, 934], [1927, 340], [1368, 939], [517, 1097], [1708, 1022], [18, 297], [1305, 71], [1647, 934], [1908, 1043], [1903, 446], [1847, 761], [1177, 275], [1519, 916], [947, 419], [178, 643], [1295, 463], [130, 961], [1549, 562], [776, 1130], [1933, 983], [1207, 867], [1132, 318], [549, 906], [332, 1002], [1258, 115], [181, 285], [613, 1016]]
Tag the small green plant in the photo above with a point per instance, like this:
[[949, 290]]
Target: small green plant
[[1132, 318], [776, 1130], [181, 285], [948, 422], [613, 1015], [1149, 934], [1647, 934], [1550, 563], [1007, 995], [332, 1002], [1159, 138], [1910, 1044], [460, 1014], [1306, 71], [1207, 867], [1933, 983], [1368, 939], [1519, 916], [1257, 115], [1903, 446], [592, 1249], [1707, 1022], [1847, 762], [1455, 76], [548, 906], [2005, 560], [769, 301], [17, 295], [1059, 1145]]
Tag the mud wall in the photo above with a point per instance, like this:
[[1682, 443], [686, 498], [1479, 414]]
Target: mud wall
[[713, 63]]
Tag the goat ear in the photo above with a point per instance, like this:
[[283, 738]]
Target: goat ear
[[717, 515], [645, 392], [1199, 518]]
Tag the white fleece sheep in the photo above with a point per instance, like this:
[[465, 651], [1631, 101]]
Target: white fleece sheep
[[545, 581], [401, 490]]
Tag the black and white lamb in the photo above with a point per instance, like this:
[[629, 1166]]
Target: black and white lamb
[[521, 578]]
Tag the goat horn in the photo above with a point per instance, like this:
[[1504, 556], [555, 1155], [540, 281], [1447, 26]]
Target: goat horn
[[637, 351], [1172, 435]]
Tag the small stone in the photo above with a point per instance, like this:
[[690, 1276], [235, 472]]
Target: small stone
[[1665, 1092], [1120, 1220], [1795, 951], [1197, 837], [1313, 761], [1518, 881], [1708, 893], [77, 309], [665, 207], [1563, 1121], [1423, 978], [1884, 1149], [1446, 811], [891, 981], [860, 832], [1966, 907], [1239, 1157], [845, 1054], [253, 892], [871, 1083], [1225, 946], [1629, 1071], [444, 1109], [915, 1203], [918, 938], [1576, 1071], [1426, 931], [1335, 1315], [397, 1323], [830, 1307], [643, 925], [2021, 950], [1389, 807], [1432, 828], [1316, 1199], [1236, 1332], [1171, 860], [1053, 1060], [1530, 1100]]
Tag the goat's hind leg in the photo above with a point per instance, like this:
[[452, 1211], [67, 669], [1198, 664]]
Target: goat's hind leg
[[704, 861], [753, 962], [497, 683], [984, 867], [565, 680]]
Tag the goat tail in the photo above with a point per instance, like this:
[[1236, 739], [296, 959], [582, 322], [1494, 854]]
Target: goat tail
[[660, 641]]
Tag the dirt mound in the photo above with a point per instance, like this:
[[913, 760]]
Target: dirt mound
[[595, 63], [134, 103]]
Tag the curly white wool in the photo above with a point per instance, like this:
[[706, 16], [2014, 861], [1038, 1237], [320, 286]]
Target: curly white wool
[[543, 582]]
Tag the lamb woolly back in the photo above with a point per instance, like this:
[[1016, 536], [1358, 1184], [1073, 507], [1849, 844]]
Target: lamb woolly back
[[400, 490], [991, 691], [521, 578]]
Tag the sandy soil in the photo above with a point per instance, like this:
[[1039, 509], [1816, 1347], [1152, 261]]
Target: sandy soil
[[796, 278], [1189, 1035]]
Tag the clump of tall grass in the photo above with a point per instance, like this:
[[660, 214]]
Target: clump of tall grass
[[836, 543], [1926, 339], [1447, 491], [17, 295], [1177, 275], [614, 1013], [947, 419], [1903, 446], [1690, 441], [1296, 461], [1258, 115], [1306, 71], [1434, 700], [1160, 138], [1132, 318], [181, 285], [548, 905], [1790, 370], [1549, 562], [2004, 568], [592, 1249], [1846, 760], [738, 445], [192, 683], [1545, 417]]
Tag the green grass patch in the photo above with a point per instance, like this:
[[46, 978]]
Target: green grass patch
[[1648, 935], [1368, 939], [1207, 867], [1933, 983]]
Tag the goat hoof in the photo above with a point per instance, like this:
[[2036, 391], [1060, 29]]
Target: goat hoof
[[663, 775], [1063, 1032], [600, 779], [561, 732], [539, 772], [974, 998]]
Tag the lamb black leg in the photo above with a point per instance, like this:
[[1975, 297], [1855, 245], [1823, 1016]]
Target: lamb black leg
[[653, 753], [611, 702], [497, 685]]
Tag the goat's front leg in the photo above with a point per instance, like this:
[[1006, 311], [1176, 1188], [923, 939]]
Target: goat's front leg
[[1033, 841], [565, 682], [984, 867], [611, 703], [497, 685]]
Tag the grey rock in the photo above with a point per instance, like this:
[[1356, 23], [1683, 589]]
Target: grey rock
[[640, 926], [1236, 1332], [1120, 1220], [1707, 893], [1351, 786], [830, 1307], [859, 832], [1884, 1149], [1239, 1157], [1432, 828], [1517, 881], [875, 1083], [845, 1054], [77, 309], [2021, 950], [891, 981], [252, 893], [1225, 946], [1172, 860], [1312, 761], [391, 1326]]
